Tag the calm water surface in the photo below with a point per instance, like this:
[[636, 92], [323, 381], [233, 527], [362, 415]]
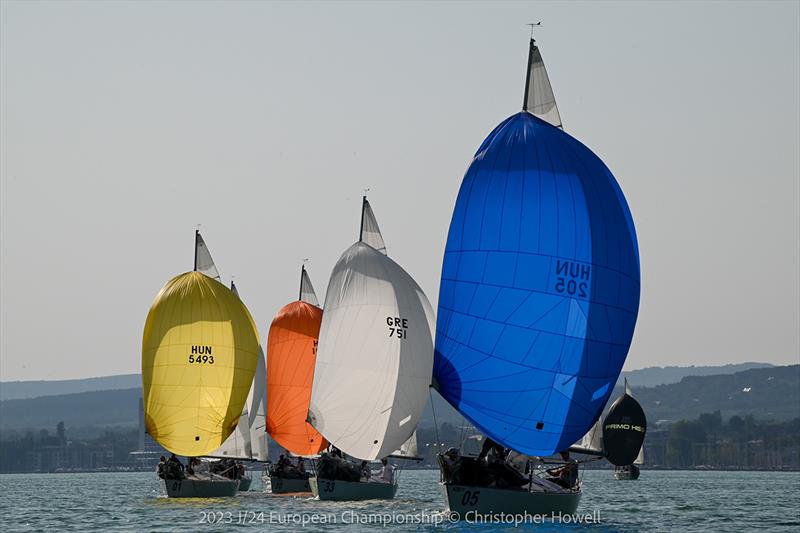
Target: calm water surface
[[658, 501]]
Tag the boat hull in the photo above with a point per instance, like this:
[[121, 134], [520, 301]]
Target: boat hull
[[280, 485], [201, 488], [631, 473], [336, 490], [244, 484], [469, 501]]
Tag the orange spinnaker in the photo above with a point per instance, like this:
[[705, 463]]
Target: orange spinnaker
[[291, 355]]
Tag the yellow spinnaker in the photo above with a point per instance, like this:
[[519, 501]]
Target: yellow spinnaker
[[199, 355]]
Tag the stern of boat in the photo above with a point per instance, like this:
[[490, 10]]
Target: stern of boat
[[468, 501], [336, 490], [201, 488]]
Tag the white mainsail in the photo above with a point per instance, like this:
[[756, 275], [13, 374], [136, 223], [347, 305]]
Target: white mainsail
[[639, 458], [375, 356], [257, 411], [370, 232], [593, 440], [539, 97], [249, 439], [408, 449], [202, 258], [238, 445], [307, 293]]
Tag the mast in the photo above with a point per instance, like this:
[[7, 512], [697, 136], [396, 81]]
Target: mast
[[300, 289], [370, 233], [361, 225], [196, 238], [530, 62], [529, 71]]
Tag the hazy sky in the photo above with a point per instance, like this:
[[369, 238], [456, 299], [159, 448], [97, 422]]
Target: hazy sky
[[124, 125]]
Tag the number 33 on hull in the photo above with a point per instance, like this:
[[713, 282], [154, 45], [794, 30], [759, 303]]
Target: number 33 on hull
[[337, 490]]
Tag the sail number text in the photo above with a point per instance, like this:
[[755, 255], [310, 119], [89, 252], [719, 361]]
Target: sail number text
[[572, 278], [470, 497], [201, 355], [398, 327]]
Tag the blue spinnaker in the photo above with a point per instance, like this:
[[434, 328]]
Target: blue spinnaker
[[539, 291]]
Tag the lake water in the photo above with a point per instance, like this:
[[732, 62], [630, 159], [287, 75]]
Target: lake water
[[658, 501]]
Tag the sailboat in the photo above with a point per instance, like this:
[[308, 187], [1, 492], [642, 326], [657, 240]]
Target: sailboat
[[291, 353], [374, 362], [249, 441], [629, 426], [619, 437], [199, 355], [538, 300]]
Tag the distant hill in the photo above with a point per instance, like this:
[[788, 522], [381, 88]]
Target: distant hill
[[765, 393], [645, 377], [18, 390], [663, 375], [96, 408]]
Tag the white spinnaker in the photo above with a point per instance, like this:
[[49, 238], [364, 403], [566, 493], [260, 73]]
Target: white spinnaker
[[257, 410], [237, 445], [370, 232], [539, 99], [375, 356], [202, 258], [307, 293]]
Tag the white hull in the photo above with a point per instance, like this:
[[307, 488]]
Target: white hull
[[201, 488], [328, 489], [279, 485], [479, 501]]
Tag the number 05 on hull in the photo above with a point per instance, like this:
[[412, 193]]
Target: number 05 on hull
[[470, 502]]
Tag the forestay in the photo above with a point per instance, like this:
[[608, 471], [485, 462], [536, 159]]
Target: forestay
[[375, 356]]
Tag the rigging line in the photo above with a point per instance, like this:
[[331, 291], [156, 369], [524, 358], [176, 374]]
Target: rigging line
[[433, 410], [463, 427]]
